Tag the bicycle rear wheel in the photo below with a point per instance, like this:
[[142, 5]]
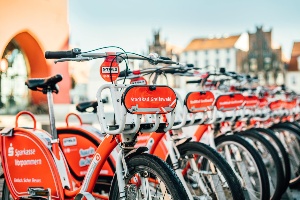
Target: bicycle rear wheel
[[290, 137], [200, 161], [271, 160], [149, 177], [5, 192], [270, 135], [247, 163]]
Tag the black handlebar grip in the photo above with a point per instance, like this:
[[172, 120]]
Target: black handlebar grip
[[190, 65], [170, 71], [164, 58], [59, 54], [222, 70], [194, 81], [124, 72], [62, 54]]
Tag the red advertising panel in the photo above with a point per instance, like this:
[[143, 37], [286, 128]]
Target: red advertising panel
[[27, 162], [199, 101], [275, 105], [228, 102], [79, 151], [251, 101], [263, 102], [290, 104], [149, 99]]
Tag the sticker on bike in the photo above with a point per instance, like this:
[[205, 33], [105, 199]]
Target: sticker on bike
[[149, 99], [109, 69], [228, 102], [251, 101], [199, 101]]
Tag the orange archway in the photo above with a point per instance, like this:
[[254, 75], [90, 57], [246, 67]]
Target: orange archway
[[38, 67], [37, 63]]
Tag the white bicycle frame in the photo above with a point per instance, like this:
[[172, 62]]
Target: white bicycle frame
[[123, 118]]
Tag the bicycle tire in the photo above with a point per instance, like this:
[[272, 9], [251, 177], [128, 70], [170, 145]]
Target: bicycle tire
[[283, 153], [241, 143], [210, 154], [5, 191], [276, 163], [295, 167], [153, 165]]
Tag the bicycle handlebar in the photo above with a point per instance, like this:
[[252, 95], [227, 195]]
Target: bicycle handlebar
[[167, 70], [76, 55]]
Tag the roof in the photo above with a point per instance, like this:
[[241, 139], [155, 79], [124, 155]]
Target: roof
[[296, 49], [293, 66], [214, 43]]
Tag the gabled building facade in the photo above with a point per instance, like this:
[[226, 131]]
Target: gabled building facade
[[263, 58], [216, 52], [293, 70]]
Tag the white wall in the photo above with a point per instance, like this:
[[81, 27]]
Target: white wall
[[292, 81], [199, 58]]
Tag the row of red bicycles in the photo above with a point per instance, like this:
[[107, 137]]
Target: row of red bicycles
[[221, 137]]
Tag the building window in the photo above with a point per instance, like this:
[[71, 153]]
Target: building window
[[217, 51], [293, 79], [217, 62], [228, 51], [196, 53], [206, 52], [13, 74], [267, 63], [227, 61], [196, 63], [206, 63], [253, 64]]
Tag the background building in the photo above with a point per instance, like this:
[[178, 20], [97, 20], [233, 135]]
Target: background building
[[216, 52], [163, 48], [293, 70], [264, 59], [29, 28]]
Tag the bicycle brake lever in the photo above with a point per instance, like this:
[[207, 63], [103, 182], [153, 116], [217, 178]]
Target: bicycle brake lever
[[79, 59]]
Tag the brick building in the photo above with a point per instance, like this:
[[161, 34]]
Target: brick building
[[264, 59]]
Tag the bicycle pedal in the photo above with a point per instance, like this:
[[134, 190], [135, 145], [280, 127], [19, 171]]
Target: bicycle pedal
[[131, 191], [38, 193]]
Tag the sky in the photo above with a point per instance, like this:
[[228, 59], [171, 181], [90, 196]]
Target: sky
[[130, 24]]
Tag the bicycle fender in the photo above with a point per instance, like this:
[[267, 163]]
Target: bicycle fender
[[183, 141], [136, 151]]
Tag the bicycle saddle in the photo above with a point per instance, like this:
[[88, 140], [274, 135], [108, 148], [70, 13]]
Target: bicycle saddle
[[42, 84], [83, 106]]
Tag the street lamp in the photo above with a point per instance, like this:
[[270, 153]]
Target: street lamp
[[3, 68]]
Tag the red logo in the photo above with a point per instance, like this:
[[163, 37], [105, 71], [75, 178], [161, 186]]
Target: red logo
[[109, 69], [97, 157], [138, 81]]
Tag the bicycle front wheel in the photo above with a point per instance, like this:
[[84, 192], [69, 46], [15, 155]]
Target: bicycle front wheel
[[203, 165], [149, 177]]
